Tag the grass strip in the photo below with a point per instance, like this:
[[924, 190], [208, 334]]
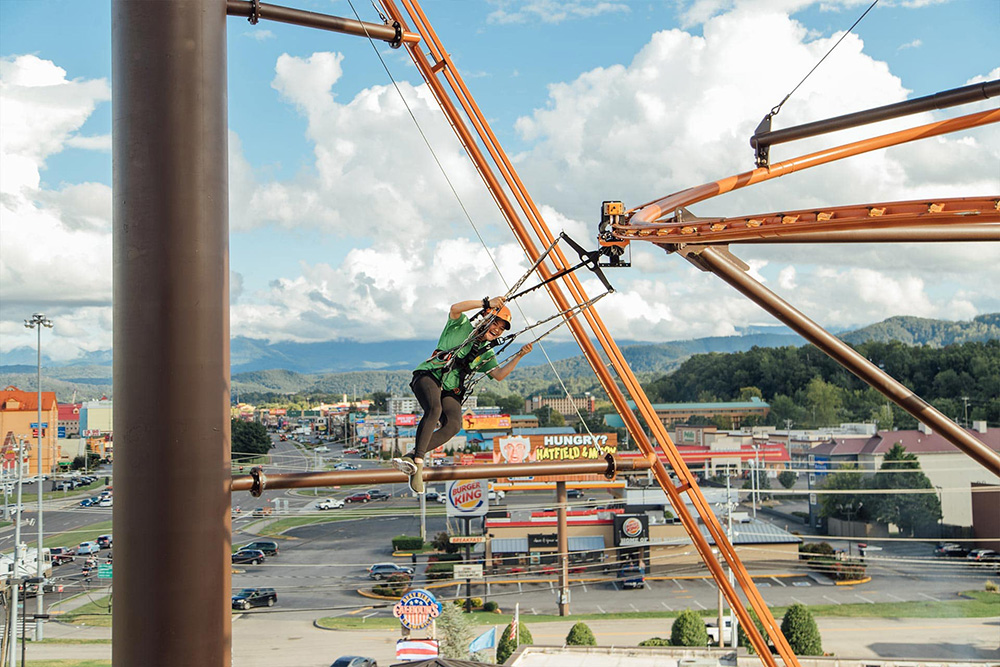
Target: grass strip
[[68, 663], [72, 538], [975, 604], [96, 613], [279, 526]]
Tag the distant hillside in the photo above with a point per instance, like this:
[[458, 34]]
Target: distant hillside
[[347, 367], [923, 331]]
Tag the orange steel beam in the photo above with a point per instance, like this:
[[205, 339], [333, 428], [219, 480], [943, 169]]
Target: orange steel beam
[[937, 214], [430, 71], [258, 481], [643, 216]]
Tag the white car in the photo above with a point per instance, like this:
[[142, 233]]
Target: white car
[[329, 504], [322, 449], [105, 502]]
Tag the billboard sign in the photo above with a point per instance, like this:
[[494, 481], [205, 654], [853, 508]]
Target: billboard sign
[[493, 422], [466, 497], [631, 529], [543, 540], [406, 420], [417, 609], [567, 447]]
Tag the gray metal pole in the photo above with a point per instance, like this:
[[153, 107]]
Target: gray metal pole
[[563, 541], [171, 334], [39, 598]]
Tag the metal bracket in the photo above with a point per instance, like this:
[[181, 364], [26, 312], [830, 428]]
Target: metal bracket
[[762, 152], [611, 471], [254, 12], [259, 481], [397, 41]]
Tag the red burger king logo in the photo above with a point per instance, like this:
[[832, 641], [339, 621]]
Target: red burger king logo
[[467, 495], [632, 527]]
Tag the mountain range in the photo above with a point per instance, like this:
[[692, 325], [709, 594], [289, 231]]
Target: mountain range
[[355, 368]]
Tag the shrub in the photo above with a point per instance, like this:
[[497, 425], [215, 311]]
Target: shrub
[[800, 630], [744, 639], [395, 586], [580, 635], [490, 606], [476, 602], [991, 587], [787, 478], [441, 543], [688, 630], [506, 645], [447, 558], [407, 543], [655, 641], [437, 571]]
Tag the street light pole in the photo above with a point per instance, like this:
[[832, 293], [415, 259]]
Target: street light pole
[[15, 572], [38, 321]]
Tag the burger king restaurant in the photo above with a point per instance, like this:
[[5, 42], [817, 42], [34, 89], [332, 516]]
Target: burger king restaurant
[[608, 539]]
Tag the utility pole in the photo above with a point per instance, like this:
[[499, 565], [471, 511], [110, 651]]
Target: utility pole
[[965, 399], [563, 541], [39, 321], [733, 621], [17, 556]]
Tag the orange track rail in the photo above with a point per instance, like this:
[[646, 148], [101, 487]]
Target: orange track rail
[[432, 69]]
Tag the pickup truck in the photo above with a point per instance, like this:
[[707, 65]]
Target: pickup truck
[[329, 504], [712, 628]]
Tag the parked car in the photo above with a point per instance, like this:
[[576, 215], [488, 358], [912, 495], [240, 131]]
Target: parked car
[[354, 661], [360, 497], [251, 556], [574, 493], [267, 546], [106, 501], [632, 576], [378, 494], [329, 504], [322, 449], [346, 466], [254, 597], [385, 570], [951, 550], [104, 541], [983, 556], [432, 496], [88, 548], [351, 450], [495, 496], [62, 555], [90, 502]]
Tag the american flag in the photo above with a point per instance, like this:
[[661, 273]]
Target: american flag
[[416, 649]]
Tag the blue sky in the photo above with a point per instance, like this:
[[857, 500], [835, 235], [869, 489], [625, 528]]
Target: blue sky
[[342, 227]]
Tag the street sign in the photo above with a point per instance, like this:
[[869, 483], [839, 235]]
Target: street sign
[[104, 570], [468, 571], [467, 539]]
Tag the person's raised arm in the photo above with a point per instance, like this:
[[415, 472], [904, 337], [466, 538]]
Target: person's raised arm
[[500, 372], [464, 306]]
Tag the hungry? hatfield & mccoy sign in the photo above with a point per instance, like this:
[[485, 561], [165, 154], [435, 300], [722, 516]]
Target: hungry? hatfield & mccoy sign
[[544, 448]]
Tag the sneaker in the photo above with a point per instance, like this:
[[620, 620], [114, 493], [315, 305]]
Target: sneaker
[[417, 479], [405, 464]]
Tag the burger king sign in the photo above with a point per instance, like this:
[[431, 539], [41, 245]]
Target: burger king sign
[[467, 497], [631, 529]]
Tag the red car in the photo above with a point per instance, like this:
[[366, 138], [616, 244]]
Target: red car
[[358, 498], [62, 555], [350, 450]]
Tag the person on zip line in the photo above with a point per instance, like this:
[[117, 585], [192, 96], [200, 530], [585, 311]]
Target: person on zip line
[[439, 383]]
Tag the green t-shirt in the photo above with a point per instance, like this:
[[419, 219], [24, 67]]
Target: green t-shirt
[[454, 334]]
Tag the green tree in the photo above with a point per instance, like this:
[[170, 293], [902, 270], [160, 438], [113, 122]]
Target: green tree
[[580, 635], [379, 399], [787, 478], [249, 438], [506, 646], [900, 470], [800, 630], [746, 393], [824, 401], [846, 478], [456, 632], [744, 639], [688, 630], [442, 542]]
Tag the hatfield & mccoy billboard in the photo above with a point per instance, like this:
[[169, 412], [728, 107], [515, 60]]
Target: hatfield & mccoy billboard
[[417, 609], [545, 448]]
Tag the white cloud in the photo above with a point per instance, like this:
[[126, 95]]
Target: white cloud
[[914, 44], [260, 34], [56, 250]]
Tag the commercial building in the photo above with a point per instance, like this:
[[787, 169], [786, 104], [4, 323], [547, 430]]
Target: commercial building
[[562, 404], [18, 422], [953, 473]]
